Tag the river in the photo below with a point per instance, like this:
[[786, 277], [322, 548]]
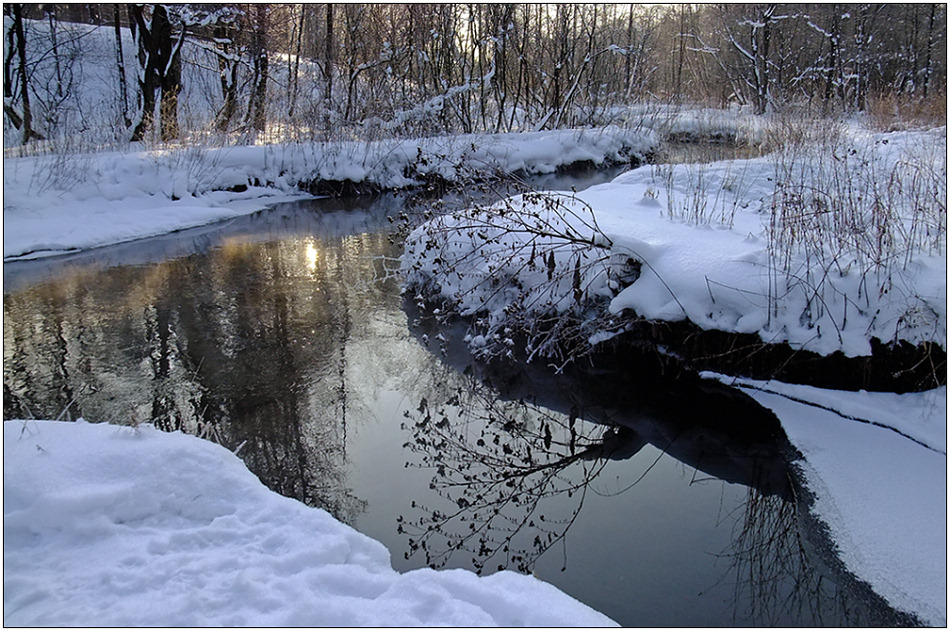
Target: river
[[283, 335]]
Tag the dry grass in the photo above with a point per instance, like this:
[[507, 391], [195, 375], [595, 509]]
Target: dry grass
[[844, 205], [889, 112]]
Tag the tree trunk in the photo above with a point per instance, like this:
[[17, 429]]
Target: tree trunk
[[256, 118], [831, 74], [51, 13], [170, 89], [147, 72], [762, 61], [227, 73], [328, 71], [928, 66], [169, 64], [260, 92], [159, 53], [861, 70], [120, 65], [293, 65], [680, 55], [27, 118], [8, 62]]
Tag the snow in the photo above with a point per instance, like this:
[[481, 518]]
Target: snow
[[735, 124], [710, 252], [120, 526], [880, 485], [54, 204]]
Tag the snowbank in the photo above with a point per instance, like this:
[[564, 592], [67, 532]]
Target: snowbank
[[736, 124], [54, 204], [877, 466], [115, 526], [718, 244]]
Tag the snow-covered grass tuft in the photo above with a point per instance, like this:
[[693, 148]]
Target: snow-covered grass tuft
[[120, 526], [850, 218]]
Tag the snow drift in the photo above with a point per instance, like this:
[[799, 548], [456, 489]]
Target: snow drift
[[120, 526]]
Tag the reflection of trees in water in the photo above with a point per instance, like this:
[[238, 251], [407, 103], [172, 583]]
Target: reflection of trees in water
[[512, 478], [770, 569], [246, 345], [777, 573], [496, 463]]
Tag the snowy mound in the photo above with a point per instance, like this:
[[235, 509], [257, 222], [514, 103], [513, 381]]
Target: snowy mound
[[822, 247], [114, 526]]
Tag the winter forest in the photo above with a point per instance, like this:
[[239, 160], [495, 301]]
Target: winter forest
[[236, 73], [475, 314]]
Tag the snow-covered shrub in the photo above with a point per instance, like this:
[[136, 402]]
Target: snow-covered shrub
[[535, 267]]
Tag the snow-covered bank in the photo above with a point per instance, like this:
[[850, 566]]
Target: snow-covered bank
[[877, 466], [768, 246], [821, 246], [115, 526], [736, 124], [54, 204]]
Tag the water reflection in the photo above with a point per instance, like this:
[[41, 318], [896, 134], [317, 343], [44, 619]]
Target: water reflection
[[512, 481], [712, 428], [247, 346], [497, 463], [517, 453]]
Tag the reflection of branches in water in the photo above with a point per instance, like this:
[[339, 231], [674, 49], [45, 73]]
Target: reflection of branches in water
[[773, 572], [497, 463]]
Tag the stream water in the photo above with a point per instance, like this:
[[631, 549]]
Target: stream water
[[657, 501]]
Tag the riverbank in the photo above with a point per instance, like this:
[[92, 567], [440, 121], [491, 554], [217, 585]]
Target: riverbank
[[765, 246], [61, 203], [875, 466], [122, 526]]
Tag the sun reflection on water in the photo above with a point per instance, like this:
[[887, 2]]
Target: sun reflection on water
[[310, 252]]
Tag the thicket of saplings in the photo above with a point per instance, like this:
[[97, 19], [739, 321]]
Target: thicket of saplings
[[82, 76]]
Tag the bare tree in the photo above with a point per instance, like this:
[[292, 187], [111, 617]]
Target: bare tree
[[259, 22], [227, 58], [749, 35], [328, 67], [50, 10], [24, 121], [159, 54]]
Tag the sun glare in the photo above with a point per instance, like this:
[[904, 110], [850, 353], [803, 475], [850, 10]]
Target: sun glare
[[311, 254]]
